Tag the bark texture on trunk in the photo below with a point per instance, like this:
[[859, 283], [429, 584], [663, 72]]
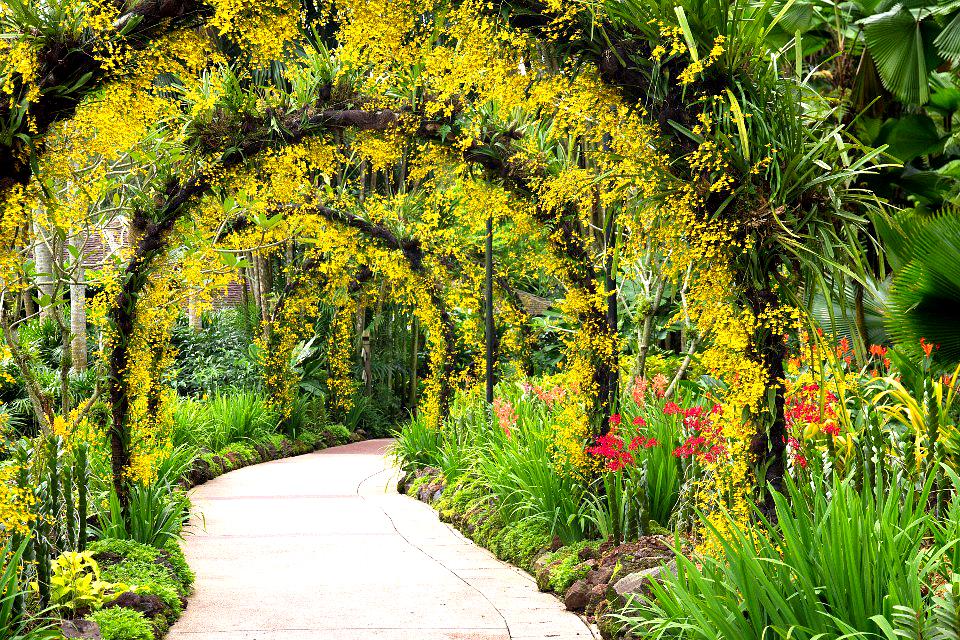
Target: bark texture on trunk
[[78, 311], [43, 261], [193, 313]]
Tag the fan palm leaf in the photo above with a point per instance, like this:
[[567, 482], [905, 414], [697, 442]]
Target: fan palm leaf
[[925, 294]]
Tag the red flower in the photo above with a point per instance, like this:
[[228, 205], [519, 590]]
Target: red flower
[[615, 419], [800, 461], [639, 422], [671, 408], [649, 444], [927, 346], [832, 429]]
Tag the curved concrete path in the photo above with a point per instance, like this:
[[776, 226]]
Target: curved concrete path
[[322, 547]]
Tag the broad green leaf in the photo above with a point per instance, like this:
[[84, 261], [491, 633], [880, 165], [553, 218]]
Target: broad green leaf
[[902, 47]]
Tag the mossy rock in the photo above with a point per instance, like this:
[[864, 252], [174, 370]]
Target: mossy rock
[[487, 523], [457, 500], [558, 570], [521, 542], [610, 628], [266, 451], [631, 563], [413, 489], [310, 439], [217, 464]]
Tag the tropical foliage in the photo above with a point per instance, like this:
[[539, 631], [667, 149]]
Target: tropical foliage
[[720, 294]]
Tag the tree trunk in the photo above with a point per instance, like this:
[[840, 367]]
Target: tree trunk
[[78, 311], [647, 331], [245, 300], [613, 321], [367, 356], [43, 260], [193, 313], [414, 357], [29, 305], [769, 446], [264, 281]]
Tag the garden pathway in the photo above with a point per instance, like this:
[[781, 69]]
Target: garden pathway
[[322, 547]]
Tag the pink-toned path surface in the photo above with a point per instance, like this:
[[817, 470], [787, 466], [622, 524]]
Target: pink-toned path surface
[[322, 546]]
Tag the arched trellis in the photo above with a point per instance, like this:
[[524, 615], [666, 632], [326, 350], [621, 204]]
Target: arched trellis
[[420, 290], [594, 358], [153, 237], [418, 277]]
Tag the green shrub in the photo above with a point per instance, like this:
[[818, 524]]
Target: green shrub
[[162, 573], [417, 445], [237, 417], [157, 515], [276, 439], [341, 434], [117, 623], [181, 570], [192, 422], [308, 413], [516, 466], [217, 357]]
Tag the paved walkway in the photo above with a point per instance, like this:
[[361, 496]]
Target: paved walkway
[[322, 547]]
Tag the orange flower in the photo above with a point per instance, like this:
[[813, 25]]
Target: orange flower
[[877, 350], [844, 346], [926, 346]]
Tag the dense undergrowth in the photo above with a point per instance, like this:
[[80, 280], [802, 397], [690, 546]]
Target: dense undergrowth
[[89, 560], [709, 249], [861, 542]]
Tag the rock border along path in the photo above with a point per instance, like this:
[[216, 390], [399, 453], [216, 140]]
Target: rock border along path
[[322, 546]]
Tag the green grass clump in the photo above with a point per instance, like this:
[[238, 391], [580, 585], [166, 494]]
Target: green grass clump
[[117, 623]]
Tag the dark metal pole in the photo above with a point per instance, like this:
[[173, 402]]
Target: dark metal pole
[[613, 321], [488, 308]]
